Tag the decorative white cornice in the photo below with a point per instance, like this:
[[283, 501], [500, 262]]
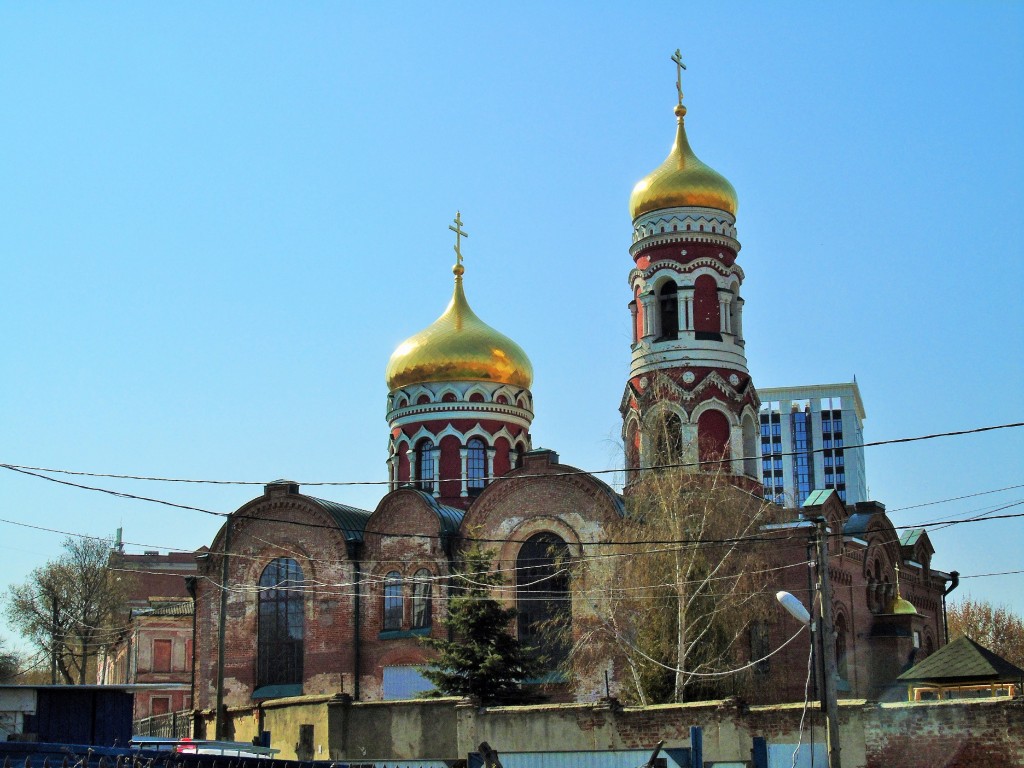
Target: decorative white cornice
[[669, 391], [460, 410], [403, 407], [646, 278], [687, 353], [671, 225]]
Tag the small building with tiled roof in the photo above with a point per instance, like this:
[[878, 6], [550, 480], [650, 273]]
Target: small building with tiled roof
[[963, 669]]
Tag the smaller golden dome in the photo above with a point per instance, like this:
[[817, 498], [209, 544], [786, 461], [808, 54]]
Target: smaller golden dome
[[458, 346], [902, 607], [682, 181]]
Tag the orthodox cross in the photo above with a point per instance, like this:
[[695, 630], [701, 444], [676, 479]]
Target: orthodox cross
[[459, 234], [677, 57]]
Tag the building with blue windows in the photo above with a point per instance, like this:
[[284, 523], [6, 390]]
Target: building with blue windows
[[806, 434]]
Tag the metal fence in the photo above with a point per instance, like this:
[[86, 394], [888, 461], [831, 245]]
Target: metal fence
[[173, 725]]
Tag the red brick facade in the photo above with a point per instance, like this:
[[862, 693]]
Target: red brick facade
[[348, 558]]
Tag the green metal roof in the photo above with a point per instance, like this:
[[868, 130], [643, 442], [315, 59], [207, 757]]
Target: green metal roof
[[818, 497], [277, 691], [909, 538], [450, 517], [350, 520], [963, 660], [857, 523]]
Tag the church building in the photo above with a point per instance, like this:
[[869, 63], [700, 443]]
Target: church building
[[303, 595]]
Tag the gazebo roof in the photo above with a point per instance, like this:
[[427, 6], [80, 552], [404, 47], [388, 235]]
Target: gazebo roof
[[963, 660]]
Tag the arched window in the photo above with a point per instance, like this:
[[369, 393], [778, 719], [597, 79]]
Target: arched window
[[476, 466], [841, 663], [876, 597], [393, 601], [542, 596], [425, 466], [713, 440], [280, 625], [706, 313], [668, 304], [667, 441], [520, 451], [749, 447], [421, 588], [632, 446], [735, 312]]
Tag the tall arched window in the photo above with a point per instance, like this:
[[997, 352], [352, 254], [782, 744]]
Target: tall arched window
[[749, 446], [668, 305], [421, 589], [736, 311], [393, 601], [713, 440], [706, 313], [280, 625], [667, 441], [842, 665], [542, 596], [632, 446], [476, 466], [425, 466]]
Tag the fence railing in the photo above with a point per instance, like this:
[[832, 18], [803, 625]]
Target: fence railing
[[173, 725]]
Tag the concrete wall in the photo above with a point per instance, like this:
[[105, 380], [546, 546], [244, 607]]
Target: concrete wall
[[729, 727], [951, 734], [393, 730]]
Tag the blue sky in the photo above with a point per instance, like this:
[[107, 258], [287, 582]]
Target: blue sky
[[217, 221]]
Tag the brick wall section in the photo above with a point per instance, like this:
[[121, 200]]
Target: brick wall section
[[878, 647], [263, 530], [946, 734], [391, 545], [404, 534]]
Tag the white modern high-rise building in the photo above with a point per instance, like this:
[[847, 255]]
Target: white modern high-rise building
[[805, 434]]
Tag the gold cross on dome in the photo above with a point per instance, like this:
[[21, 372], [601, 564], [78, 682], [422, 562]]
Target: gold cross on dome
[[459, 234], [677, 57]]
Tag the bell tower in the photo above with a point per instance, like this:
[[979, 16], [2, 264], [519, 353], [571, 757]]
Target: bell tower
[[689, 398]]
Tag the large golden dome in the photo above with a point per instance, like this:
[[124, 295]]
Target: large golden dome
[[458, 346], [682, 181]]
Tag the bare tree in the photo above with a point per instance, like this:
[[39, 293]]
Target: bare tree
[[994, 626], [68, 608], [682, 594]]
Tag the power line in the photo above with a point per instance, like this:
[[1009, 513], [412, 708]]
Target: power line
[[27, 469], [955, 498]]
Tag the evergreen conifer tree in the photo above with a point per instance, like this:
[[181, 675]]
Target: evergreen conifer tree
[[483, 659]]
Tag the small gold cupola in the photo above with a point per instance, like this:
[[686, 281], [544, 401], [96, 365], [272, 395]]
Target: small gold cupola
[[458, 346], [900, 605], [682, 181]]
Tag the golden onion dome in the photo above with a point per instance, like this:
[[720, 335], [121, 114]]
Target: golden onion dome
[[902, 606], [458, 346], [682, 181]]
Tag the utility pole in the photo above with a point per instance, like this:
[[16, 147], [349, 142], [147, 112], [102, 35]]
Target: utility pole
[[224, 573], [826, 640]]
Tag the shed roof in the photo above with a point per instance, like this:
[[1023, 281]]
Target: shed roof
[[168, 608]]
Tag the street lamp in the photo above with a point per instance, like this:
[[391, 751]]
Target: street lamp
[[794, 606]]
